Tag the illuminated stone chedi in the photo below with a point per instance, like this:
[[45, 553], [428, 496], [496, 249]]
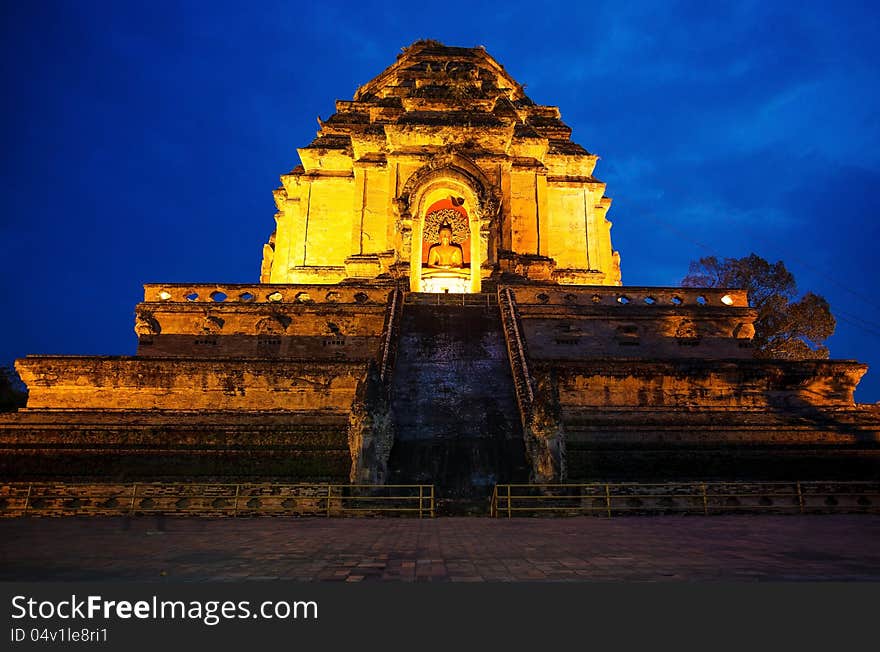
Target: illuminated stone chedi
[[440, 302], [443, 135]]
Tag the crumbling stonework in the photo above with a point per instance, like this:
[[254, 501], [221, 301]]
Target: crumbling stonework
[[544, 434], [442, 122], [348, 359], [370, 430]]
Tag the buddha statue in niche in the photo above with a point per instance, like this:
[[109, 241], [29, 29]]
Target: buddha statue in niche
[[445, 254]]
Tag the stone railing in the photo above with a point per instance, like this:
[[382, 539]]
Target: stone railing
[[388, 352], [266, 294], [664, 297], [516, 353]]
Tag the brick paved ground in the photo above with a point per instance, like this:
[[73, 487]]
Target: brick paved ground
[[739, 548]]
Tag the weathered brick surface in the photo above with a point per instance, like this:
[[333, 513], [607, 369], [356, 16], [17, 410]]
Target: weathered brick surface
[[356, 207], [307, 322], [453, 400], [574, 323], [259, 380], [138, 383], [167, 444]]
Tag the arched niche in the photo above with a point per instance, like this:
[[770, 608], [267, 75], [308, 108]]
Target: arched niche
[[434, 186], [451, 212]]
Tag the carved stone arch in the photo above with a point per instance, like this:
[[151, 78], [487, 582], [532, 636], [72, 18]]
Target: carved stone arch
[[448, 174], [451, 164], [210, 324], [146, 324], [275, 324]]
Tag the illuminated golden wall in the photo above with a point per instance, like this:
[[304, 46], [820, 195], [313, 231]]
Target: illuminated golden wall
[[442, 123]]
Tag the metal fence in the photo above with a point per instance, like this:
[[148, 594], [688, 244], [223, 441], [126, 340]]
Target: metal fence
[[213, 499], [608, 499]]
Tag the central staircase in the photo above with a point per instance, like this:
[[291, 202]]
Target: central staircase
[[454, 402]]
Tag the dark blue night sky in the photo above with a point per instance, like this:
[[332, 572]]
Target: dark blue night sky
[[141, 141]]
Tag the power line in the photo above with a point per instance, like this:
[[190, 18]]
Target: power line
[[810, 269], [833, 280], [866, 327]]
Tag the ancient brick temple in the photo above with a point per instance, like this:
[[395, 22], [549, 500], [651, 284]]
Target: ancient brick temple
[[440, 302]]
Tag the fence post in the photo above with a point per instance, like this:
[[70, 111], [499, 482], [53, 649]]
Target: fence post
[[421, 488], [509, 500], [432, 501], [235, 504], [800, 496], [133, 495], [608, 501], [329, 491], [705, 500], [27, 498]]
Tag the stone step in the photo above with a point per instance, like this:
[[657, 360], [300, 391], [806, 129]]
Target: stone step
[[462, 506], [454, 402]]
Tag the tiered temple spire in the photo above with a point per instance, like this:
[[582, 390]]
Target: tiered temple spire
[[442, 122]]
